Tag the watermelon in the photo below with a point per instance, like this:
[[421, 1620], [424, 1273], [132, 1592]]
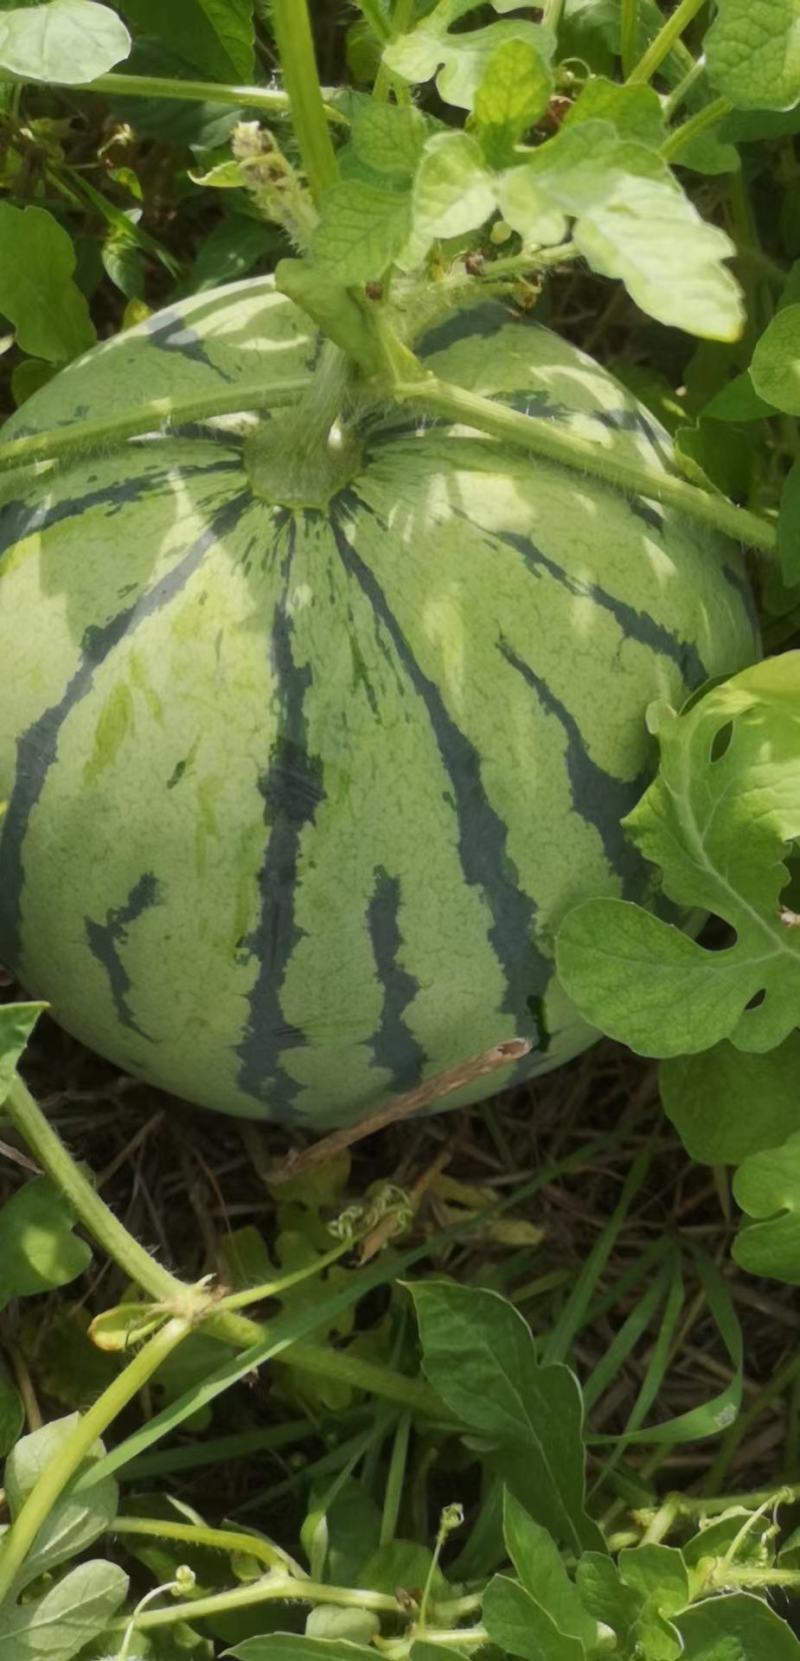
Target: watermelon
[[297, 795]]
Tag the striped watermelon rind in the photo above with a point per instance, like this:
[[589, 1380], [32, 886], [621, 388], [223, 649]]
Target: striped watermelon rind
[[297, 799]]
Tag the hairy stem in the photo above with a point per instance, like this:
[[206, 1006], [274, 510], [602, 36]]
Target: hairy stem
[[533, 433], [83, 437], [667, 37], [217, 1539], [137, 1264], [68, 1458], [274, 1588], [699, 123], [295, 42]]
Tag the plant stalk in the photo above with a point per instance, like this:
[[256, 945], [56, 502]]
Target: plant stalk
[[165, 1288], [629, 30], [217, 1539], [530, 432], [295, 42], [667, 37], [82, 437], [696, 124], [69, 1457]]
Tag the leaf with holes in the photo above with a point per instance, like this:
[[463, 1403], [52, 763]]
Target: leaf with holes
[[720, 820]]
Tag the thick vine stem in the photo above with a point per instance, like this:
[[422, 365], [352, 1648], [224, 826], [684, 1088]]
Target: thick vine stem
[[85, 437], [266, 99], [217, 1539], [295, 42], [529, 432], [696, 124], [137, 1264], [68, 1458], [667, 37]]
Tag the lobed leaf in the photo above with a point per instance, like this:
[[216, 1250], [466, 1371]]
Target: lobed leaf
[[719, 820], [767, 1187], [709, 1098], [459, 62], [514, 92], [38, 1249], [38, 293]]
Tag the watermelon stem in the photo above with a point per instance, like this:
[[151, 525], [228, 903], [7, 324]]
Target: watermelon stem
[[80, 438], [69, 1457], [543, 437], [292, 27]]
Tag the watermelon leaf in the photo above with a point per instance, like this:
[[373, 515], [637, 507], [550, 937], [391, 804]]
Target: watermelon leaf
[[38, 292], [480, 1357], [738, 1625], [709, 1098], [38, 1249], [17, 1022], [459, 62], [633, 221], [719, 820], [216, 36], [517, 1622], [753, 54], [767, 1187], [514, 92], [789, 525], [69, 42], [76, 1520], [775, 370], [69, 1616]]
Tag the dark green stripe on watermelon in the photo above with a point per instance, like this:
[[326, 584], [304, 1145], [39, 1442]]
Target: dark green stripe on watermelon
[[597, 796], [482, 835], [394, 1047], [105, 940], [292, 790]]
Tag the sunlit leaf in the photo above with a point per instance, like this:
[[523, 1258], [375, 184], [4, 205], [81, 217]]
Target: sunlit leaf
[[66, 41]]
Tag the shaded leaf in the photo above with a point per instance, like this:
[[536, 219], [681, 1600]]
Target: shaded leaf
[[76, 1521], [17, 1022], [605, 1594], [68, 1617], [38, 1249], [726, 1104], [767, 1187], [216, 36], [518, 1623], [12, 1415], [280, 1646], [38, 293], [479, 1355], [789, 526]]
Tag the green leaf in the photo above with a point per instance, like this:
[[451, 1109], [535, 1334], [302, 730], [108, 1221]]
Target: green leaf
[[68, 42], [737, 1627], [331, 307], [541, 1570], [216, 36], [356, 1626], [633, 221], [361, 230], [38, 293], [17, 1022], [738, 401], [767, 1187], [230, 251], [285, 1646], [74, 1522], [657, 1575], [37, 1247], [528, 209], [67, 1618], [518, 1623], [454, 191], [775, 369], [479, 1355], [459, 62], [12, 1413], [635, 111], [789, 526], [389, 138], [605, 1594], [515, 90], [717, 820], [709, 1098], [753, 53]]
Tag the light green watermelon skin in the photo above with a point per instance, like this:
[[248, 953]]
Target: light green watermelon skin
[[297, 801]]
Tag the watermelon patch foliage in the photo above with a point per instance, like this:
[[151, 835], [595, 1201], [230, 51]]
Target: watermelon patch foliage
[[400, 639]]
